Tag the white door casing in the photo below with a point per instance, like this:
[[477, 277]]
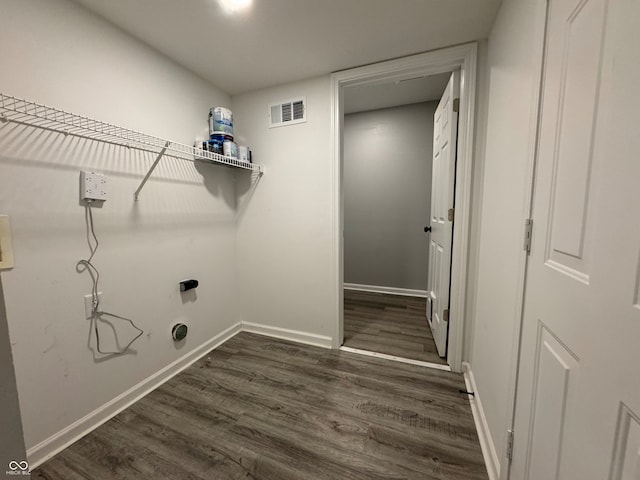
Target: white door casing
[[462, 57], [445, 130], [578, 397]]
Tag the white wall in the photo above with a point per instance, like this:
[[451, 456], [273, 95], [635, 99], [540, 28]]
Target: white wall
[[387, 195], [11, 436], [509, 86], [284, 236], [55, 52]]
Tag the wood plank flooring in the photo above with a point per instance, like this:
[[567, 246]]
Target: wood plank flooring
[[262, 408], [391, 324]]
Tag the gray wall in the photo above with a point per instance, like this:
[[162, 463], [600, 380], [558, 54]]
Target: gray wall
[[11, 438], [387, 195]]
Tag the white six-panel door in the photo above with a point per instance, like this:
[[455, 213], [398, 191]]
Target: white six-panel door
[[445, 133], [578, 399]]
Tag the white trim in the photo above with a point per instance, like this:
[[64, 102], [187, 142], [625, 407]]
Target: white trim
[[463, 57], [487, 445], [420, 363], [288, 334], [337, 212], [53, 445], [49, 447], [407, 292], [57, 442]]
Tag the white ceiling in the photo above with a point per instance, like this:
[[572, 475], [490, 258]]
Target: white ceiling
[[280, 41], [366, 97]]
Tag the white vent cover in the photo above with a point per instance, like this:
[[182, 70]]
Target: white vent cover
[[288, 112]]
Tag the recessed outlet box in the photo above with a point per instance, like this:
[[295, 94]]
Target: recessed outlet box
[[6, 248], [88, 304], [93, 186]]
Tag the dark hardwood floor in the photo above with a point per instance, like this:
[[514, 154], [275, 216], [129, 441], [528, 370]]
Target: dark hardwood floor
[[262, 408], [391, 324]]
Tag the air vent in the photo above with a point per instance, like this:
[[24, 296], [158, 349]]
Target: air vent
[[288, 113]]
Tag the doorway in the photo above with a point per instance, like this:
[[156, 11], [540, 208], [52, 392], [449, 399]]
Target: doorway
[[461, 58], [388, 145]]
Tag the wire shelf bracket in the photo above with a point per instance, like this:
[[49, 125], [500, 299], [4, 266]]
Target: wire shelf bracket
[[25, 112], [153, 167]]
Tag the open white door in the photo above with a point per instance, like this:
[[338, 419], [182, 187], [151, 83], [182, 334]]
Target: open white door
[[445, 132], [578, 399]]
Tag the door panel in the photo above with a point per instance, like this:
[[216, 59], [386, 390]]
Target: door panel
[[445, 133], [553, 373], [579, 70], [578, 396], [626, 462]]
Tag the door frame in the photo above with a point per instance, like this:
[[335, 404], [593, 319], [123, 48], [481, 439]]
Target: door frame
[[463, 57]]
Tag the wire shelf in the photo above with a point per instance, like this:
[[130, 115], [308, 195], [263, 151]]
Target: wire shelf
[[24, 112]]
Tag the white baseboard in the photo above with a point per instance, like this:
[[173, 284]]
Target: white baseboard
[[394, 358], [487, 445], [46, 449], [49, 447], [287, 334], [407, 292]]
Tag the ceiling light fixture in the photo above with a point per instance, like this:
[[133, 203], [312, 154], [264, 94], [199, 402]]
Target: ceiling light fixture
[[234, 6]]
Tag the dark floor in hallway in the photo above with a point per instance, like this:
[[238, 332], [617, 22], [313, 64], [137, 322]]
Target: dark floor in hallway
[[391, 324]]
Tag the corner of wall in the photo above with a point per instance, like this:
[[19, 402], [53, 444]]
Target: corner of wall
[[510, 71], [54, 444], [283, 236], [491, 458], [11, 435]]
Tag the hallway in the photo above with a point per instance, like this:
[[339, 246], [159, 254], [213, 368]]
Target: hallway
[[391, 324]]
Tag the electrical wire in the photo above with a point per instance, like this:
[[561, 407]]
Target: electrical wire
[[86, 265]]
